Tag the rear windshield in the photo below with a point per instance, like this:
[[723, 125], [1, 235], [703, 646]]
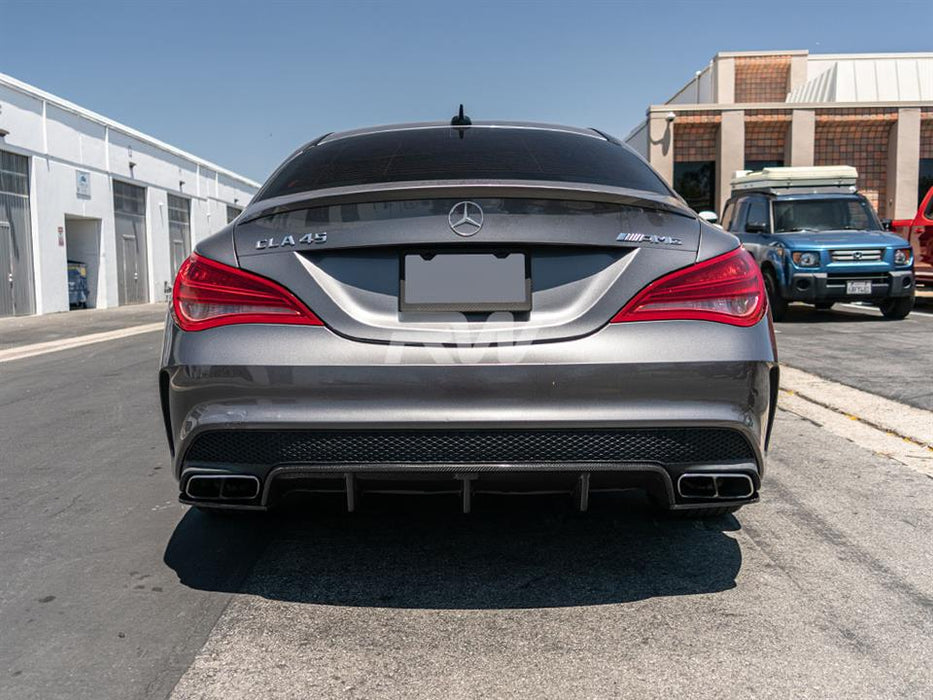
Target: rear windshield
[[830, 214], [476, 153]]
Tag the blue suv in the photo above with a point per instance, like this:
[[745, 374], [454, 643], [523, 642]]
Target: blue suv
[[819, 244]]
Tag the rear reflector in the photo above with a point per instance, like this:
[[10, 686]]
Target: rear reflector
[[209, 294], [726, 289]]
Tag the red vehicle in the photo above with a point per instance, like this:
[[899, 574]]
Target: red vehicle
[[919, 231]]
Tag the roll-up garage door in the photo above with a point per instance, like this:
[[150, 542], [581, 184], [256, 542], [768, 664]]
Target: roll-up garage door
[[179, 229], [129, 212], [16, 275]]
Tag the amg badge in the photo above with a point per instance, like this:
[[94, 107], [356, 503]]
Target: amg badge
[[646, 238], [285, 241]]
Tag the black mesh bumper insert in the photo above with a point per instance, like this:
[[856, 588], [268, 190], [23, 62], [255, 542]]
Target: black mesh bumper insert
[[664, 445]]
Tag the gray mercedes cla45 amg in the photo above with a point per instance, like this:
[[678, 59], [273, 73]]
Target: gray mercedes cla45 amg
[[469, 309]]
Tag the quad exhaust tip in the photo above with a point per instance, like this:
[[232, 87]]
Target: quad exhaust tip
[[244, 487], [722, 486], [222, 487]]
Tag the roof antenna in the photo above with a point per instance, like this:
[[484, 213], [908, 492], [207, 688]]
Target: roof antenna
[[461, 119]]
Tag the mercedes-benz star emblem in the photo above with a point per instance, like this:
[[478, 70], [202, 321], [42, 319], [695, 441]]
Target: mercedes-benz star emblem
[[465, 218]]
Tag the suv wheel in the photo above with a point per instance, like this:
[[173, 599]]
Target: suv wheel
[[896, 309], [777, 303]]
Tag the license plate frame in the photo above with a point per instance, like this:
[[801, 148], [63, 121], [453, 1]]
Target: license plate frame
[[858, 287], [455, 267]]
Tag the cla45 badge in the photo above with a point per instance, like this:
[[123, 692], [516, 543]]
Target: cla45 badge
[[285, 241]]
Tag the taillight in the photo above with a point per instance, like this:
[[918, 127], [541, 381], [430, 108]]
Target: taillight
[[208, 294], [726, 289]]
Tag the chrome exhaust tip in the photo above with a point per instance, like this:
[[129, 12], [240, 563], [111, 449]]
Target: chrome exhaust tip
[[722, 486], [222, 487]]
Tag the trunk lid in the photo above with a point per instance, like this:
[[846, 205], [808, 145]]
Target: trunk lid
[[588, 253]]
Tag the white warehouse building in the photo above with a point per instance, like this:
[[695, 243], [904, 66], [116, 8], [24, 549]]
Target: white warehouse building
[[76, 187]]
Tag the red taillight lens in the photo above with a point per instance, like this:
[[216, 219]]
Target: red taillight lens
[[208, 294], [726, 289]]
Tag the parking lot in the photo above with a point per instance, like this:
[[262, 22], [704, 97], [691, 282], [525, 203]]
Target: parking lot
[[854, 345], [110, 588]]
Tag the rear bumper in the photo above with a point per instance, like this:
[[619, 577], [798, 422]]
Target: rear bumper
[[664, 484], [821, 286], [230, 388]]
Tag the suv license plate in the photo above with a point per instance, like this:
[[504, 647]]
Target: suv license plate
[[858, 287]]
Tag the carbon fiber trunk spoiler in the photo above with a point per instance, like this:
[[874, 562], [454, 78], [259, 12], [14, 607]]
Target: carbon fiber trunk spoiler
[[397, 191]]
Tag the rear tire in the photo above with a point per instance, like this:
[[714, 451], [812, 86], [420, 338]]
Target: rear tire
[[777, 303], [897, 309], [702, 513], [212, 512], [823, 305], [223, 513]]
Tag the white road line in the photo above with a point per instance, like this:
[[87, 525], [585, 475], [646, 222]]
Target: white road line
[[866, 308], [24, 351], [888, 445], [892, 416], [903, 433]]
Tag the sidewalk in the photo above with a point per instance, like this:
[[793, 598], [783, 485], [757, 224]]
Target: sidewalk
[[28, 330]]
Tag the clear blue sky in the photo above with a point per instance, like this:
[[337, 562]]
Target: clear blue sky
[[245, 83]]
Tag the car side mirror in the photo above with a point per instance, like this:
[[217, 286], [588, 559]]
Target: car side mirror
[[756, 227], [886, 224], [709, 216]]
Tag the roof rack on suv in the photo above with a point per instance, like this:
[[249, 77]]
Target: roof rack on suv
[[815, 178]]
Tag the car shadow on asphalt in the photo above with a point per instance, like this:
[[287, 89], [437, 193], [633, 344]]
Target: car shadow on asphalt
[[807, 314], [420, 552]]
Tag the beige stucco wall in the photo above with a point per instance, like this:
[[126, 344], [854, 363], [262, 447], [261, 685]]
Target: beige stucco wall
[[903, 165], [798, 72], [801, 138], [731, 154], [724, 80], [661, 146]]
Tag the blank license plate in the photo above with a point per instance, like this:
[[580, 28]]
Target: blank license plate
[[858, 287], [465, 282]]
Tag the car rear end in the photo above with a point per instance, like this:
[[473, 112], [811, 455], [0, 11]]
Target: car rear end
[[468, 310]]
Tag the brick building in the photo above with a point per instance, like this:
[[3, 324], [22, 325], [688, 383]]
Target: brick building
[[748, 110]]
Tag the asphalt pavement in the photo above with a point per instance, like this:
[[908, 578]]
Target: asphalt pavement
[[823, 590], [855, 345], [111, 589], [16, 331]]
